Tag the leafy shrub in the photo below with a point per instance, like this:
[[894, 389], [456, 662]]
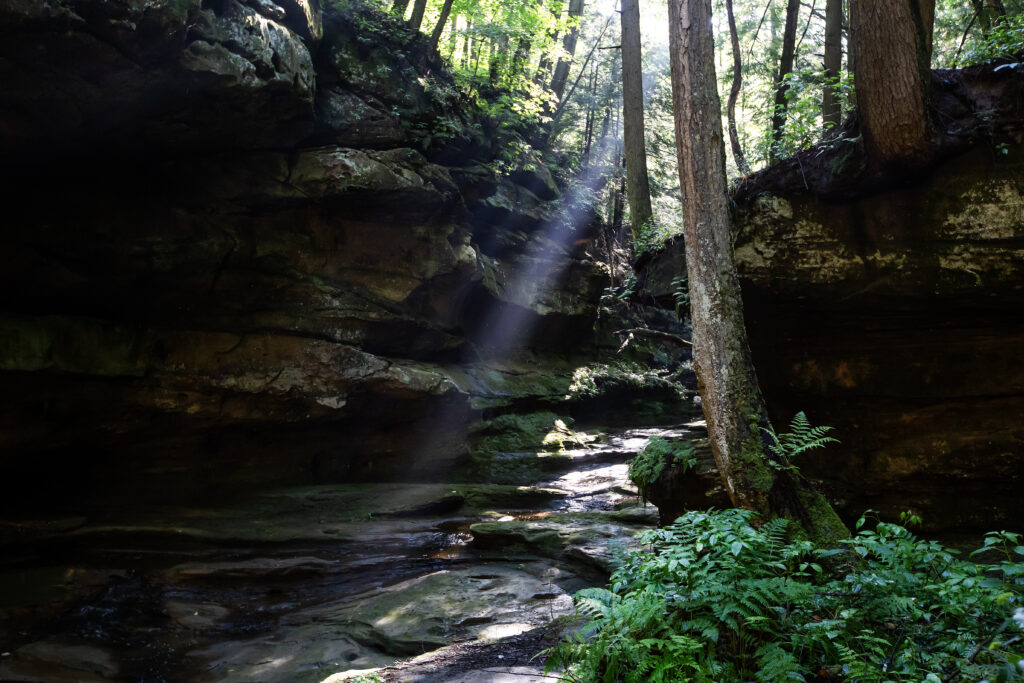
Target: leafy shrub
[[1005, 41], [717, 599], [649, 463], [596, 380]]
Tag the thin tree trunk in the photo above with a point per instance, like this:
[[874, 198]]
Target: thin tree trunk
[[618, 197], [996, 9], [637, 181], [785, 68], [988, 13], [469, 45], [499, 55], [446, 10], [588, 136], [521, 58], [453, 39], [926, 17], [730, 396], [831, 106], [890, 70], [561, 75], [561, 104], [734, 92], [981, 14], [545, 65], [478, 51], [416, 20]]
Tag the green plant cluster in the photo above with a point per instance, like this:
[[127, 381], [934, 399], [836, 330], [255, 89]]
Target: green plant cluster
[[800, 438], [591, 381], [1004, 41], [681, 296], [717, 599], [649, 463]]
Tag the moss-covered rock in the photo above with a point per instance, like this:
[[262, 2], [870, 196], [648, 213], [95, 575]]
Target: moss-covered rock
[[892, 314]]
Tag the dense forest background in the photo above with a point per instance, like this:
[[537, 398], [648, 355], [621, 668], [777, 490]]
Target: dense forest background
[[559, 64]]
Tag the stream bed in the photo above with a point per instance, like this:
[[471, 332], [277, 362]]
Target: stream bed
[[314, 583]]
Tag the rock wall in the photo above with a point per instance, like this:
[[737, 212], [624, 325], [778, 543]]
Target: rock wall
[[252, 242], [897, 317]]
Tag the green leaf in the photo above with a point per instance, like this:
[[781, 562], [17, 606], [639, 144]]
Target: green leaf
[[736, 547]]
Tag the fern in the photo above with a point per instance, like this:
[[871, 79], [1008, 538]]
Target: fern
[[716, 599], [800, 438]]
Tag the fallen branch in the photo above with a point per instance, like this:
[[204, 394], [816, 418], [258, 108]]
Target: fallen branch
[[657, 334]]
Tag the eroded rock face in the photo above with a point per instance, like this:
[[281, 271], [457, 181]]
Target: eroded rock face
[[896, 318], [235, 251]]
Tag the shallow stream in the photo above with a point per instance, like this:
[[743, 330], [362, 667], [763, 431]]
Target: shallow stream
[[304, 584]]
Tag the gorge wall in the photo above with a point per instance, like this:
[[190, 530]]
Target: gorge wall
[[895, 313], [260, 242]]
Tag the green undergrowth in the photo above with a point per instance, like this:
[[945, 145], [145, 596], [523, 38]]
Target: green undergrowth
[[1003, 42], [649, 463], [621, 376], [716, 598]]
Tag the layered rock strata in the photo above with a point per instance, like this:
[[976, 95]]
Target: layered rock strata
[[254, 242], [897, 317]]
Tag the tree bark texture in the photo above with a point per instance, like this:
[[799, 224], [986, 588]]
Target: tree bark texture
[[637, 182], [418, 9], [721, 354], [785, 68], [831, 105], [561, 75], [435, 37], [890, 69], [730, 396], [734, 92]]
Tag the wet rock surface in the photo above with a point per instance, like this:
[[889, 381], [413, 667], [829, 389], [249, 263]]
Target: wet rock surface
[[305, 583]]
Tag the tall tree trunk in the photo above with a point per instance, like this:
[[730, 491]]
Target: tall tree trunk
[[588, 135], [925, 29], [618, 196], [453, 39], [734, 92], [730, 396], [418, 9], [521, 58], [996, 10], [561, 75], [467, 47], [499, 56], [446, 10], [637, 182], [891, 43], [545, 65], [478, 51], [785, 68], [831, 106], [981, 14]]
